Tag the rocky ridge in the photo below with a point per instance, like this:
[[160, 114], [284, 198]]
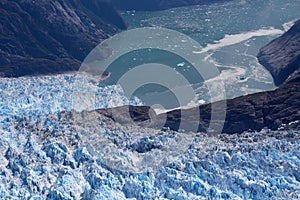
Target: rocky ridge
[[252, 112]]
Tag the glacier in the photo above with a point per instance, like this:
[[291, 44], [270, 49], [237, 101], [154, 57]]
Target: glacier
[[51, 150], [38, 95]]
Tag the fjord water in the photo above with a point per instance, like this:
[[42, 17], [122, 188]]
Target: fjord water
[[230, 35]]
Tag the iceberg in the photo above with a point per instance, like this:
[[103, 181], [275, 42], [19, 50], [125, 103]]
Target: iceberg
[[182, 64]]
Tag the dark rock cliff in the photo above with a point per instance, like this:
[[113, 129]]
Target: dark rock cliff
[[151, 5], [252, 112], [39, 37], [282, 56]]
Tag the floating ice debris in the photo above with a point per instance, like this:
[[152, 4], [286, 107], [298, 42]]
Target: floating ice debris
[[202, 101], [181, 64]]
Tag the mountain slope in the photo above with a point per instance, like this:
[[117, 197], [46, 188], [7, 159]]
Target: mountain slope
[[282, 56], [52, 36]]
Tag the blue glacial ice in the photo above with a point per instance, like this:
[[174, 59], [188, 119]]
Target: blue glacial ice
[[49, 154], [51, 94]]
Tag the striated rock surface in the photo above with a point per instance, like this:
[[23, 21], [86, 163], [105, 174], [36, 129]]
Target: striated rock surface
[[41, 37], [282, 56]]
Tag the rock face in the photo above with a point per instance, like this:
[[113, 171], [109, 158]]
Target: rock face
[[150, 5], [252, 112], [282, 56], [267, 109], [52, 36]]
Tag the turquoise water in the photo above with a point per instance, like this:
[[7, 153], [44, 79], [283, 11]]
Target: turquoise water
[[209, 23], [230, 35]]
